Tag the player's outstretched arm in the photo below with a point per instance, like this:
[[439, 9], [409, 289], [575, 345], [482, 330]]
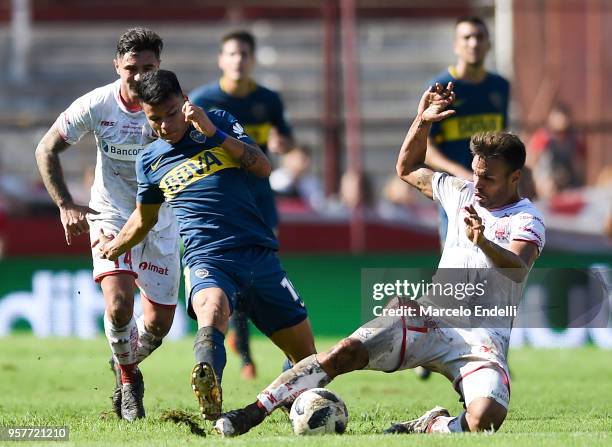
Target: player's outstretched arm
[[250, 156], [432, 108], [134, 231], [73, 216]]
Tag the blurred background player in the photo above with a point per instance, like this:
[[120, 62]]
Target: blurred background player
[[114, 115], [556, 154], [260, 110], [481, 105], [492, 229], [230, 252]]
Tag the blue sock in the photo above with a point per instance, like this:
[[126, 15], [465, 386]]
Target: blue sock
[[287, 364], [209, 348]]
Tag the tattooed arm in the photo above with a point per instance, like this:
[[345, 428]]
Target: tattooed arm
[[432, 107], [252, 159], [47, 158], [250, 156]]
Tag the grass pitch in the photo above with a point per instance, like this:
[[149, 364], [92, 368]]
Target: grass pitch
[[559, 397]]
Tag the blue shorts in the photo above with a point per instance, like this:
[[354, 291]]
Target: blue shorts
[[254, 282], [264, 199]]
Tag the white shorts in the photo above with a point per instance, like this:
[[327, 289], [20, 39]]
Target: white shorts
[[154, 263], [469, 358]]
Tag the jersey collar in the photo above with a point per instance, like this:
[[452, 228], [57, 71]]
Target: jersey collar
[[252, 87]]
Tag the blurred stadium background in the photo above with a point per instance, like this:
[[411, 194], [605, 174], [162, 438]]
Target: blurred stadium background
[[350, 73]]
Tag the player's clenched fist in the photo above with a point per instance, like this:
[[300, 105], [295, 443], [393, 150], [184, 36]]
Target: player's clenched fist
[[198, 118]]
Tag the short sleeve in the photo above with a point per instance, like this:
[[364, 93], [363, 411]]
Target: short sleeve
[[76, 120], [148, 192], [528, 227], [230, 125], [451, 192]]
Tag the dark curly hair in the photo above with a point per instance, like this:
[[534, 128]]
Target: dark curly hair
[[139, 39]]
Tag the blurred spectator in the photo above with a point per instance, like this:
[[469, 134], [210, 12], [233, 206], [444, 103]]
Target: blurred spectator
[[19, 196], [293, 179], [556, 154], [398, 200], [356, 191], [355, 194]]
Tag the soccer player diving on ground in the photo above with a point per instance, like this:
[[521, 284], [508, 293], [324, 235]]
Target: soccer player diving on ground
[[490, 227]]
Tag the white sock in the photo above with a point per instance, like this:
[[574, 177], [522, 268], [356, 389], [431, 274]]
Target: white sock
[[122, 340], [147, 342], [446, 424], [290, 384]]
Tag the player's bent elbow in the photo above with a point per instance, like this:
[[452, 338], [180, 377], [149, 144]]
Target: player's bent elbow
[[517, 275], [263, 170], [43, 150]]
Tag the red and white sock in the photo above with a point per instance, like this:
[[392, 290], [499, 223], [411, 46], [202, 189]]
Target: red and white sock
[[147, 342], [123, 342], [290, 384]]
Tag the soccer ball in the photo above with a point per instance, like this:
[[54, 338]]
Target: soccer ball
[[318, 411]]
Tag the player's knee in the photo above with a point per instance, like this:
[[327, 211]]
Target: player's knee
[[211, 309], [159, 321], [120, 309], [485, 414], [347, 355], [159, 327]]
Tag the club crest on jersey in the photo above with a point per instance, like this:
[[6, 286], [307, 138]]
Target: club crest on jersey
[[502, 228], [201, 273], [197, 136]]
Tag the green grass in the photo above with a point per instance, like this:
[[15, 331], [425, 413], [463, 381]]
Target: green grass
[[559, 397]]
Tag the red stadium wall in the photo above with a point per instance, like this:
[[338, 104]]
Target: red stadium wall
[[44, 236], [190, 10]]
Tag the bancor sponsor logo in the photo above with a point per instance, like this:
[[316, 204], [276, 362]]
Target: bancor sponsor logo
[[126, 152], [64, 304]]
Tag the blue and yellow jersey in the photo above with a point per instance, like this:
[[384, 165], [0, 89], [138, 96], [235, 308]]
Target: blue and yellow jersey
[[258, 112], [480, 107], [207, 190]]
